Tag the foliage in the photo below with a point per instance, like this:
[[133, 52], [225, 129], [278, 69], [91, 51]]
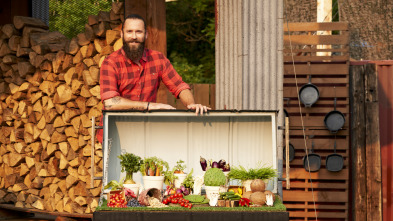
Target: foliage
[[155, 164], [191, 36], [114, 185], [189, 180], [170, 177], [260, 172], [180, 166], [130, 163], [70, 16]]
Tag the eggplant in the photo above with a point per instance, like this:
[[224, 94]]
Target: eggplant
[[203, 163], [221, 163], [226, 168], [215, 165]]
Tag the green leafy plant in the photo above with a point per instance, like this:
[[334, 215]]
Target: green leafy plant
[[114, 185], [179, 167], [260, 172], [189, 180], [170, 177], [153, 166], [214, 177], [130, 164]]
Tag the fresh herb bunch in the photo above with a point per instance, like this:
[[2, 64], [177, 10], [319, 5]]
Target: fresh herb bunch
[[130, 163], [170, 177], [189, 180], [261, 172], [180, 166]]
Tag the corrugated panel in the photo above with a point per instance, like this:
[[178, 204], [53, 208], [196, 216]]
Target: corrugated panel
[[385, 94], [249, 62], [249, 58]]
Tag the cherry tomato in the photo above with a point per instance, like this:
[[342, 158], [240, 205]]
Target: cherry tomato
[[172, 196], [175, 201], [181, 204], [189, 206], [187, 201]]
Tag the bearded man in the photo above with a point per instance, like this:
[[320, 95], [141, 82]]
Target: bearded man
[[130, 76]]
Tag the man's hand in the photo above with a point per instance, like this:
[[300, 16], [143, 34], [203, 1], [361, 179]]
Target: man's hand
[[160, 106], [199, 108]]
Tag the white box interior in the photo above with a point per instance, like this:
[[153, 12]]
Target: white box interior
[[240, 138]]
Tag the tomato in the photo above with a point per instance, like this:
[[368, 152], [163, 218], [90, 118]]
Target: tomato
[[180, 195], [187, 201], [174, 201], [181, 204], [189, 206], [165, 201], [172, 196]]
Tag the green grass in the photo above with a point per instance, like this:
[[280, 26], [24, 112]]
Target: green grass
[[278, 206]]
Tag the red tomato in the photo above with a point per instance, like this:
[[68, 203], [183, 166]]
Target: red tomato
[[166, 201], [180, 195], [187, 201], [189, 206], [174, 201], [181, 204], [172, 196]]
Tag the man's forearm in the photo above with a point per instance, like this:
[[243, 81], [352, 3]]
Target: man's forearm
[[186, 97], [121, 103]]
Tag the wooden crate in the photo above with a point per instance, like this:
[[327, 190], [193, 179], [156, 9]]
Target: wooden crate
[[330, 73]]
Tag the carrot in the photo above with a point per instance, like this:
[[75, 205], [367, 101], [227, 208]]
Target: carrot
[[158, 171]]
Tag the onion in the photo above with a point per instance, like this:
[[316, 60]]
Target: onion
[[186, 192], [179, 191], [182, 188], [257, 185]]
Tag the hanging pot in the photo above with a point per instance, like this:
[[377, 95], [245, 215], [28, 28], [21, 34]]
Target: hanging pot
[[334, 162], [334, 120], [309, 94], [312, 161]]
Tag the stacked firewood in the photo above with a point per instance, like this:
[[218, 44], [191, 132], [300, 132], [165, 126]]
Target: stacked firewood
[[49, 92]]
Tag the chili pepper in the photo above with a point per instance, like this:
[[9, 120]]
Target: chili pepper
[[244, 202]]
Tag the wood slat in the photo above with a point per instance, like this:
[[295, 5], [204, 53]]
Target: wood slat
[[293, 110], [312, 121], [317, 185], [319, 196], [342, 144], [316, 58], [299, 161], [315, 80], [293, 101], [317, 69], [315, 26], [316, 39], [301, 173], [317, 131], [338, 92], [311, 206]]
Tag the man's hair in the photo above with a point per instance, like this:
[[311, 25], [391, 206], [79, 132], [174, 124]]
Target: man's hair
[[134, 16]]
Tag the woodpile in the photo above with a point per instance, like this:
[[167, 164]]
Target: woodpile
[[49, 92]]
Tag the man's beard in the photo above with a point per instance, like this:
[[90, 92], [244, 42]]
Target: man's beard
[[134, 54]]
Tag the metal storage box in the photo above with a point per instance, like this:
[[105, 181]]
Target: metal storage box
[[246, 138]]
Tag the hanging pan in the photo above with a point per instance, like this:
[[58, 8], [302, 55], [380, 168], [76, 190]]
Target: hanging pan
[[334, 120], [334, 162], [309, 93], [312, 161], [291, 152]]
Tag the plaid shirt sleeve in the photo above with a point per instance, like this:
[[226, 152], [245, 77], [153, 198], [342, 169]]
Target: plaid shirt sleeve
[[108, 80], [172, 79]]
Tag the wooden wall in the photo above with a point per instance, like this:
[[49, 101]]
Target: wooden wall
[[11, 8], [330, 73]]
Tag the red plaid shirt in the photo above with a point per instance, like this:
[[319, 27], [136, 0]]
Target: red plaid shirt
[[121, 77]]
